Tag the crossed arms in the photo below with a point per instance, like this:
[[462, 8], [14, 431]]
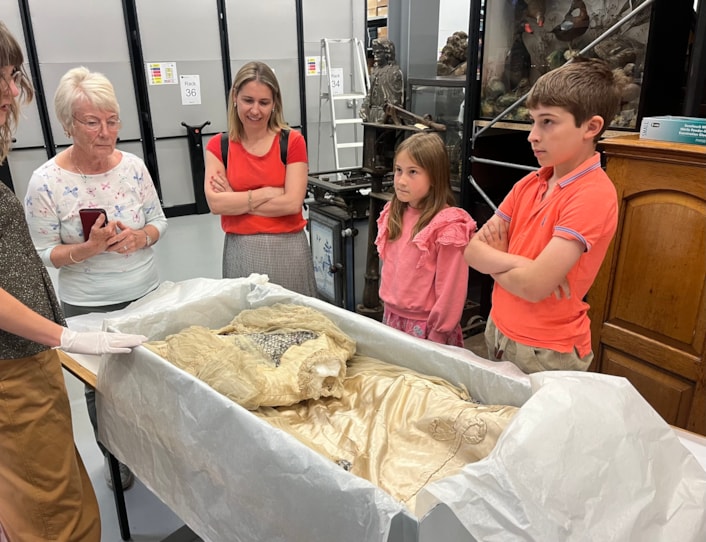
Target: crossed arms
[[265, 201], [532, 280]]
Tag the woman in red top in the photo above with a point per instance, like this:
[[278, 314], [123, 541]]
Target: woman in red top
[[258, 195]]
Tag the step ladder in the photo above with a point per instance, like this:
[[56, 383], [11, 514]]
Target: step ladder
[[343, 85]]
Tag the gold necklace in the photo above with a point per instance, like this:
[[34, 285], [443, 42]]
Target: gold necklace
[[73, 161]]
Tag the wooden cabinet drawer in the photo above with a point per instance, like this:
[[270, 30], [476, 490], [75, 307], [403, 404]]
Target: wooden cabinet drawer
[[669, 394]]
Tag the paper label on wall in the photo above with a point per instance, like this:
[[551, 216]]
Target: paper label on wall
[[162, 73], [336, 81], [190, 89], [313, 65]]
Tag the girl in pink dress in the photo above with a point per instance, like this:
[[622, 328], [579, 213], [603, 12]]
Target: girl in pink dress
[[421, 239]]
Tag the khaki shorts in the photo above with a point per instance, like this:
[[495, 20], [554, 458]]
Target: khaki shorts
[[531, 359]]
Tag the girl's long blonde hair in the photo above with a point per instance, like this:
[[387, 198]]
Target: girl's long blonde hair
[[427, 150], [11, 55]]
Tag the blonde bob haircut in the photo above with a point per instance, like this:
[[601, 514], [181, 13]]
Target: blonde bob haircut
[[11, 55], [82, 85], [427, 150], [262, 73]]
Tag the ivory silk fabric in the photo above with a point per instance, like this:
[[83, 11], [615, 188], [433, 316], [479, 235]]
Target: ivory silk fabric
[[394, 427], [250, 362], [388, 424]]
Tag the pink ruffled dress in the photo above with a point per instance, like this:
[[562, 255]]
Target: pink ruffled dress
[[424, 280]]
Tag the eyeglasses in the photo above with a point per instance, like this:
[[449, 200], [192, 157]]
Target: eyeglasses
[[93, 125], [15, 77]]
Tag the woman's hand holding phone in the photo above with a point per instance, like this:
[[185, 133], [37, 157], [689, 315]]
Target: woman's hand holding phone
[[91, 218], [112, 237], [97, 230]]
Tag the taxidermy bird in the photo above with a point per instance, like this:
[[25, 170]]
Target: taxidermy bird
[[517, 62], [529, 11], [575, 22]]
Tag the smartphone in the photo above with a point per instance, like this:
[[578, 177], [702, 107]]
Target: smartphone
[[88, 218]]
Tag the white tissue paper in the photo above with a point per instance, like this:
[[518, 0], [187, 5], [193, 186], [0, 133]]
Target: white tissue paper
[[585, 458]]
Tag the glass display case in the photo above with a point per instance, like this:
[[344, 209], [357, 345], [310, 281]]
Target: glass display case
[[509, 45], [421, 29], [524, 39], [443, 98], [436, 49]]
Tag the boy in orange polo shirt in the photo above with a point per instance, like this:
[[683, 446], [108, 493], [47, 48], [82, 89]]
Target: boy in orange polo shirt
[[548, 238]]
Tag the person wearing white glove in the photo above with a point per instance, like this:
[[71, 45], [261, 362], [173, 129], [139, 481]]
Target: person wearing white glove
[[99, 342], [18, 319], [45, 491], [41, 453]]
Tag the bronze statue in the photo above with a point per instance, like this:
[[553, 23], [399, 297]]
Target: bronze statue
[[386, 83], [452, 60]]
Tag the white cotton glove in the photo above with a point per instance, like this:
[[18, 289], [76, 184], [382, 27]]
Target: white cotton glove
[[99, 342]]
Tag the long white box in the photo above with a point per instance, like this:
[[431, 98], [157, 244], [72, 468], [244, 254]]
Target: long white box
[[690, 130], [585, 458]]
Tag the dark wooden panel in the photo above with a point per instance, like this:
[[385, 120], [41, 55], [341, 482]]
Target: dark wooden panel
[[648, 302], [658, 282], [648, 347]]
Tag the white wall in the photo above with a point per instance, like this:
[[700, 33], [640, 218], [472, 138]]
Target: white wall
[[453, 16]]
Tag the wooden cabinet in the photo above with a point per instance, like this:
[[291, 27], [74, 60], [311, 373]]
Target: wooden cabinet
[[648, 303]]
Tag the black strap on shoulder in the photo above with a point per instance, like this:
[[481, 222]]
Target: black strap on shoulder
[[283, 146], [224, 149]]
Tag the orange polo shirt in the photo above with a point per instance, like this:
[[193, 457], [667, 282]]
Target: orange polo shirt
[[583, 206]]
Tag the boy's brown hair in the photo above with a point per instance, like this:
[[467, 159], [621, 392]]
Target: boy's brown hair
[[584, 87]]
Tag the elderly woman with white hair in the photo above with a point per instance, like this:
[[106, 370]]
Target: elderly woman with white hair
[[107, 264]]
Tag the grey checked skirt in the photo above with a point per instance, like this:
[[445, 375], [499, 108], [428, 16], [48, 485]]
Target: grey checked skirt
[[284, 257]]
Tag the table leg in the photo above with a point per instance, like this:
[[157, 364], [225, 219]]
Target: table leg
[[119, 496]]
